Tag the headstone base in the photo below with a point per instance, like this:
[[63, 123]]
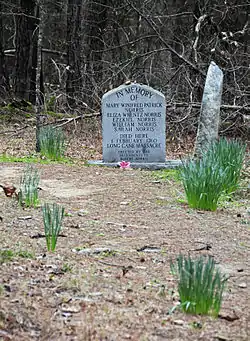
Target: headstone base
[[168, 164]]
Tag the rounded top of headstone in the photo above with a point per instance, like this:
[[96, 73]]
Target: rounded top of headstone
[[129, 87]]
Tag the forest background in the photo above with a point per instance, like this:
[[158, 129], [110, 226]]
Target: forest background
[[63, 55]]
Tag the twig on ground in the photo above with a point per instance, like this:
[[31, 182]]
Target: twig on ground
[[206, 247], [125, 269], [13, 131]]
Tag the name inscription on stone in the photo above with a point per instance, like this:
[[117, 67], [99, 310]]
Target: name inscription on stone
[[133, 123]]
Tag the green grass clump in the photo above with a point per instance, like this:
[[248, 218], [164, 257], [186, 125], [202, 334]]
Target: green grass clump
[[216, 173], [200, 285], [167, 174], [25, 159], [33, 159], [25, 254], [6, 255], [203, 184], [28, 194], [229, 156], [67, 267], [52, 218], [55, 114], [52, 143]]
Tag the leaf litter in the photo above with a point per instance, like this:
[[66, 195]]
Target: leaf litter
[[123, 292]]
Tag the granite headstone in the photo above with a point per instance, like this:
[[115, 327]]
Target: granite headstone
[[133, 124], [208, 128]]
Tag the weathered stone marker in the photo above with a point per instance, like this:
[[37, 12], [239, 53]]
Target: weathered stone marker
[[210, 109], [133, 125]]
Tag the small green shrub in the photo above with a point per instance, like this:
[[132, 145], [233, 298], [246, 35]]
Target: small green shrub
[[200, 285], [52, 218], [52, 143], [28, 194]]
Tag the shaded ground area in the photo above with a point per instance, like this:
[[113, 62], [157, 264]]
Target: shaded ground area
[[110, 278], [84, 140]]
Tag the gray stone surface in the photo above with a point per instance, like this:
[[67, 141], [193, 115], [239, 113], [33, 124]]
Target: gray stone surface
[[210, 109], [150, 165], [133, 124]]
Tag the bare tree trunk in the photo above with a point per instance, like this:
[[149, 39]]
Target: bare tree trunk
[[39, 82], [25, 28], [74, 77], [34, 58], [4, 81], [96, 21]]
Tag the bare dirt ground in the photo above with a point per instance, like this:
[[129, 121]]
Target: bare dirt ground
[[109, 278]]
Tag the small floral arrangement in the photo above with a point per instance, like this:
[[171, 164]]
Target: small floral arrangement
[[124, 164]]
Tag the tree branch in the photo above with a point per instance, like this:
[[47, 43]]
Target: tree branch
[[73, 119], [198, 105], [19, 14], [59, 53], [197, 31], [186, 61]]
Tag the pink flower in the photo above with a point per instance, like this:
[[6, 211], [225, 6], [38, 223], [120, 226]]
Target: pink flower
[[124, 164]]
